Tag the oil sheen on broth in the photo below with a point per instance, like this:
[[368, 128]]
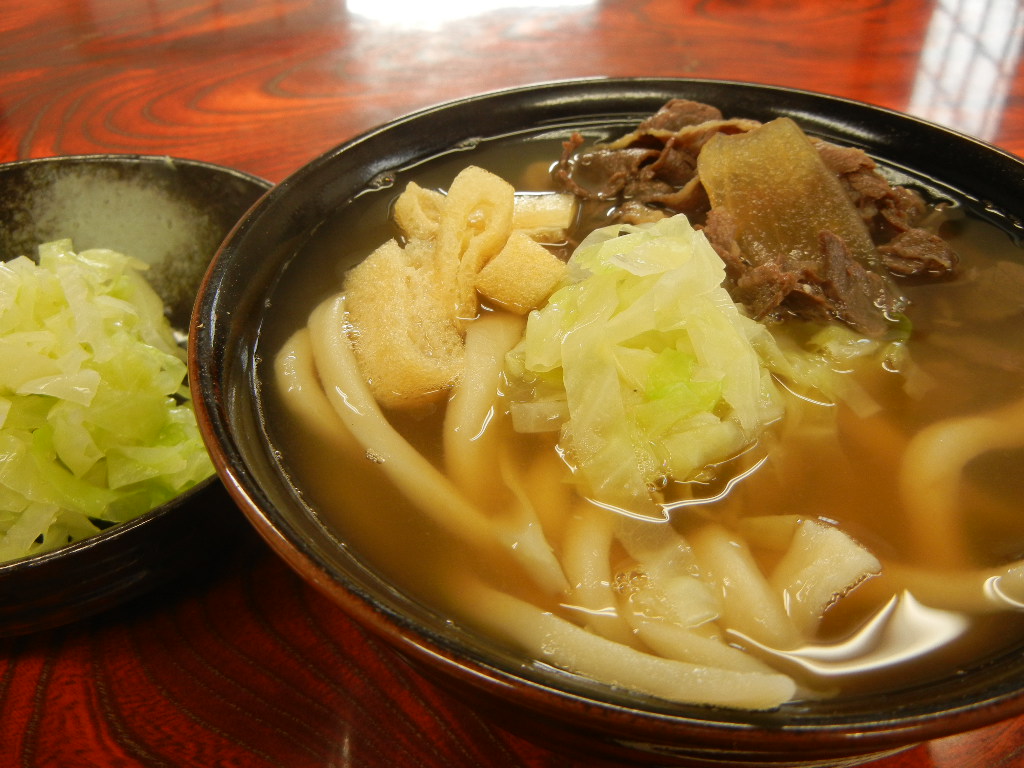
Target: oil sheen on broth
[[968, 343]]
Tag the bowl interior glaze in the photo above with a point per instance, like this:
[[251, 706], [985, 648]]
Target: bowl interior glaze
[[227, 327], [172, 213]]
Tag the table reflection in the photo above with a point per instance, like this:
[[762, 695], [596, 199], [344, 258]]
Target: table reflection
[[419, 14], [969, 60]]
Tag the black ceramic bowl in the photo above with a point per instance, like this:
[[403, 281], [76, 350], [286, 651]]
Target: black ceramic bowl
[[172, 213], [226, 375]]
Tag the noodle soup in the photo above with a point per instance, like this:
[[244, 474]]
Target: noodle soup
[[915, 470]]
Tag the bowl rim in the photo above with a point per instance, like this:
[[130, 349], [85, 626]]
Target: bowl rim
[[133, 157], [866, 123]]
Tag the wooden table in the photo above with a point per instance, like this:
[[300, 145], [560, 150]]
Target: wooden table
[[245, 665]]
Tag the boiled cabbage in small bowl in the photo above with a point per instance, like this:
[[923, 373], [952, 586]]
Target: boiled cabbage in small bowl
[[106, 486]]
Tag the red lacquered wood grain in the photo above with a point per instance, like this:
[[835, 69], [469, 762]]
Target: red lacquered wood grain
[[245, 665], [264, 89]]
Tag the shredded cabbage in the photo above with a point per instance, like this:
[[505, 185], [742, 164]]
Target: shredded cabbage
[[661, 372], [96, 424]]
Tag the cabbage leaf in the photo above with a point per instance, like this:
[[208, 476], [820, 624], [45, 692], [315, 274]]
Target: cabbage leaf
[[96, 424], [661, 373]]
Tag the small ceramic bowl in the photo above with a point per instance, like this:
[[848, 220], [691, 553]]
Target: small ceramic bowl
[[227, 372], [173, 214]]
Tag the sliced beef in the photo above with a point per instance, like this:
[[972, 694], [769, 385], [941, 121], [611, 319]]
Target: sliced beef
[[679, 113], [857, 296], [919, 253], [893, 213], [633, 212], [656, 164], [889, 210], [609, 175], [764, 288], [690, 198], [833, 286], [902, 209], [858, 173], [720, 230], [651, 172], [675, 164]]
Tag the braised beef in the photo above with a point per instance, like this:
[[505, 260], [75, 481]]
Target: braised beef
[[633, 212], [881, 204], [834, 286], [606, 175], [651, 172], [679, 113], [766, 287], [917, 253], [857, 172], [630, 173], [720, 230], [655, 164], [860, 297], [902, 208], [674, 165], [893, 213]]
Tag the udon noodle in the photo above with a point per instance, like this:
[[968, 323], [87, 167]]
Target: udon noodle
[[863, 516]]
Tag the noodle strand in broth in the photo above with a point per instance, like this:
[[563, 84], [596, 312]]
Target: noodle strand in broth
[[932, 474]]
